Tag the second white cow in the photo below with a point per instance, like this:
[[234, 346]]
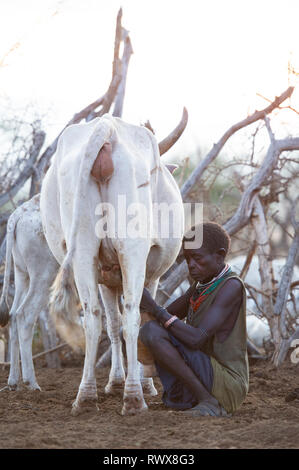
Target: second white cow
[[35, 269]]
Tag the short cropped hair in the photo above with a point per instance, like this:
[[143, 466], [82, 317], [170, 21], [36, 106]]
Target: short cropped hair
[[214, 236]]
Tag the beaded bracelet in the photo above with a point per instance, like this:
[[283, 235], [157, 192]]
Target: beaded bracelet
[[170, 321]]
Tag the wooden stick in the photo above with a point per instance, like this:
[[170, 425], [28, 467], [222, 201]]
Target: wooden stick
[[214, 152], [248, 261], [48, 351], [38, 141], [119, 100], [88, 112], [259, 223]]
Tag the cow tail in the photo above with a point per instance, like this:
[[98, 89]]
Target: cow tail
[[64, 297], [10, 234], [65, 309]]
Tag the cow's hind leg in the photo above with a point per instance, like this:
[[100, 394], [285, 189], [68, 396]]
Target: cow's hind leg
[[133, 273], [146, 381], [85, 277], [21, 288], [35, 301], [116, 381]]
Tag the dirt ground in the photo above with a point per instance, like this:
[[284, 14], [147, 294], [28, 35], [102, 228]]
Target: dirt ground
[[43, 420]]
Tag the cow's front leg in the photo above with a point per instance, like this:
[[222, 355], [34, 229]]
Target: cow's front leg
[[116, 381], [87, 397]]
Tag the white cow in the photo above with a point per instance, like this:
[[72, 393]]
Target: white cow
[[95, 162], [35, 269]]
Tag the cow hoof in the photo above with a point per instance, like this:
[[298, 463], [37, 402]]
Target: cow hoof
[[13, 387], [32, 386], [115, 387], [81, 406], [133, 405], [149, 388]]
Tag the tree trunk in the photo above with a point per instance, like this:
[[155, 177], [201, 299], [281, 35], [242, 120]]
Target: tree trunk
[[264, 256]]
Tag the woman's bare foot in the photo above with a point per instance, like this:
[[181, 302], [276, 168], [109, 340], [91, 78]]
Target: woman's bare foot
[[208, 408]]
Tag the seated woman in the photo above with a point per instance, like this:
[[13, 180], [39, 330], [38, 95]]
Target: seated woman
[[202, 363]]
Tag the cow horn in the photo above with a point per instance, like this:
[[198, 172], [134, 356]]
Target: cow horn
[[171, 139]]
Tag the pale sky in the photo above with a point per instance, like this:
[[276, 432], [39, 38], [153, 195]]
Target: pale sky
[[211, 56]]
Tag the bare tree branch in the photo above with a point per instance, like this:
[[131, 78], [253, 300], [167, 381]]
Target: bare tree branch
[[214, 152], [43, 353], [248, 260], [284, 285], [128, 51], [243, 213], [259, 223], [38, 140], [169, 285], [89, 112]]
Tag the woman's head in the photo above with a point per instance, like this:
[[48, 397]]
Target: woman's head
[[206, 261]]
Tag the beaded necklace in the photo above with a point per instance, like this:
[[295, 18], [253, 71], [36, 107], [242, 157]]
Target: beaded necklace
[[203, 290]]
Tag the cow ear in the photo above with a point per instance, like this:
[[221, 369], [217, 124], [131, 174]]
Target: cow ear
[[103, 167], [172, 167]]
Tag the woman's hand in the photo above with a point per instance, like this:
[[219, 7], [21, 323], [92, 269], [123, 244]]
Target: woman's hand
[[149, 305], [147, 302]]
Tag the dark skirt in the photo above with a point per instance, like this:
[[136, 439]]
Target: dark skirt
[[176, 395]]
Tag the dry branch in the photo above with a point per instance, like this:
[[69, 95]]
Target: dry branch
[[244, 211], [128, 51], [285, 283], [91, 111], [38, 141], [43, 353], [248, 260], [214, 152], [260, 227], [168, 286]]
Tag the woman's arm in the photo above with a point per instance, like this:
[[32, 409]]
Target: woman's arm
[[180, 306], [227, 301]]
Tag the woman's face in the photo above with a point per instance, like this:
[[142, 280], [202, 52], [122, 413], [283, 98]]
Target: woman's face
[[203, 265]]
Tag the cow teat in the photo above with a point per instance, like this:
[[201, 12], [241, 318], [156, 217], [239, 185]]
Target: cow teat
[[110, 275]]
